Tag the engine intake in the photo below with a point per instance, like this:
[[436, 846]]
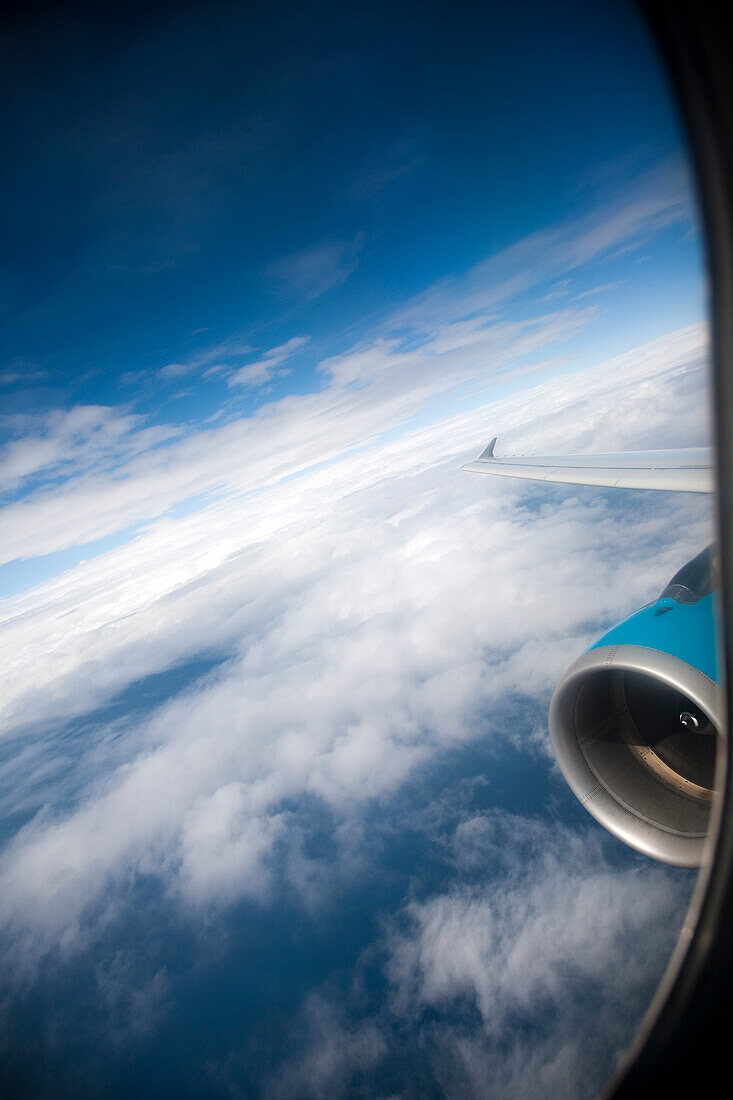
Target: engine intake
[[635, 725]]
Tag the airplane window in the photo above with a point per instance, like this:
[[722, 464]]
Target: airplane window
[[359, 590]]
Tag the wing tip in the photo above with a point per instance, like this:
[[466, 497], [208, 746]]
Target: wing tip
[[488, 451]]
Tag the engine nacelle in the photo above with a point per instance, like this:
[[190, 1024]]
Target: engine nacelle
[[635, 722]]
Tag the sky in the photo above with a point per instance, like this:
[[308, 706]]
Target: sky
[[279, 812]]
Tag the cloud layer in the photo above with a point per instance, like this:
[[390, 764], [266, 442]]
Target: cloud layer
[[555, 934], [524, 976], [314, 610], [369, 612]]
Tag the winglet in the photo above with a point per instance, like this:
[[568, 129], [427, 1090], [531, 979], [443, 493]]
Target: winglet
[[488, 452]]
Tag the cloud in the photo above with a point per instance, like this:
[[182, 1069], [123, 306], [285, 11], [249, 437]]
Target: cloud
[[395, 163], [334, 1052], [207, 361], [314, 271], [371, 611], [285, 438], [356, 612], [456, 352], [261, 371], [489, 980], [372, 183], [548, 929], [553, 915], [658, 199], [65, 442], [602, 289], [453, 341], [133, 1005], [21, 373], [642, 397]]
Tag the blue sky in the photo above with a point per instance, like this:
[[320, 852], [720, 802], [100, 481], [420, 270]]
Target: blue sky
[[199, 178], [280, 814]]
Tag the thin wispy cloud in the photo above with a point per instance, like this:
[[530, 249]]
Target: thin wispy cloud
[[207, 361], [21, 375], [604, 288], [64, 443], [657, 200], [308, 274], [394, 165], [262, 370]]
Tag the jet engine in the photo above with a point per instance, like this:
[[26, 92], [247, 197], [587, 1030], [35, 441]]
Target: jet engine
[[635, 722]]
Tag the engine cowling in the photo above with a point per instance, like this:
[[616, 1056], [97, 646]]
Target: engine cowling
[[636, 721]]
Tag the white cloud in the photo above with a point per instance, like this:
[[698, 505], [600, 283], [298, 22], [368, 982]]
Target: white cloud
[[656, 200], [288, 436], [546, 934], [458, 345], [370, 609], [65, 442], [206, 361], [261, 371], [375, 610], [491, 981], [118, 608]]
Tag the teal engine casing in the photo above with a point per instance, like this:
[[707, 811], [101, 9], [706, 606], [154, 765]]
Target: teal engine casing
[[635, 722]]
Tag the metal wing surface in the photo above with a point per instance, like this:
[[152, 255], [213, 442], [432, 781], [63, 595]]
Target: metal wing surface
[[687, 470]]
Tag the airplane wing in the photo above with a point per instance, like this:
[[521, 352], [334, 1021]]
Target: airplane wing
[[688, 470]]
